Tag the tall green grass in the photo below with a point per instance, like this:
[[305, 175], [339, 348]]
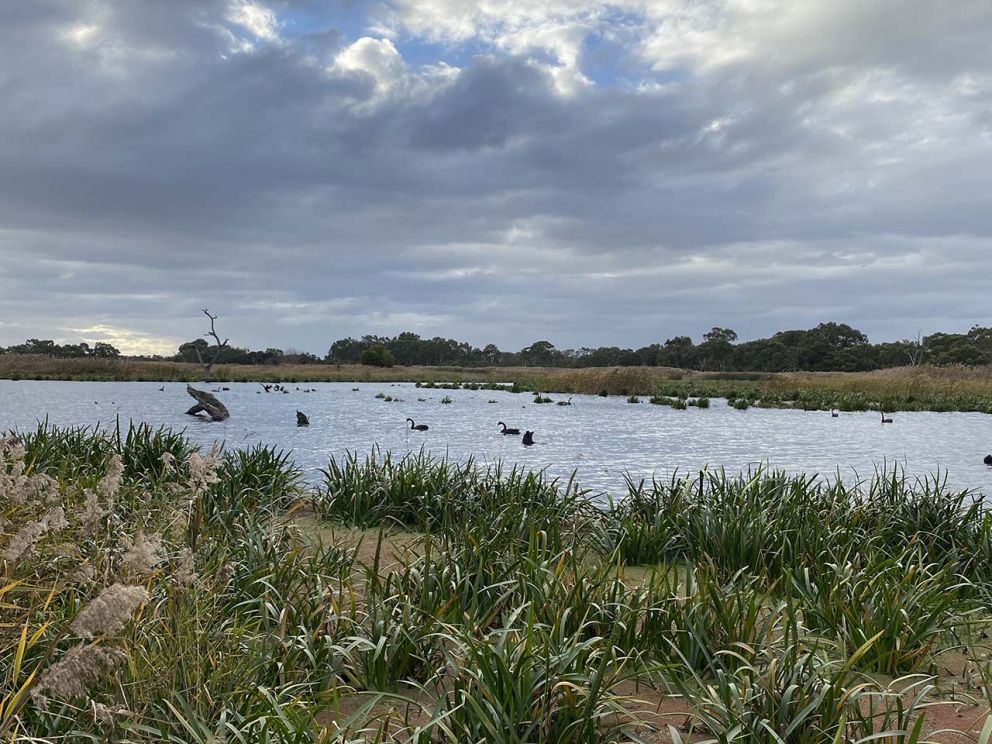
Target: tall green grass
[[767, 604]]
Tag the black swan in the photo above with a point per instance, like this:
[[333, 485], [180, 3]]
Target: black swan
[[988, 460], [528, 439], [885, 420], [504, 430], [301, 419], [417, 427]]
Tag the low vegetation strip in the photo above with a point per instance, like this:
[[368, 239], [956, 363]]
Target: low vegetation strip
[[154, 592], [904, 389]]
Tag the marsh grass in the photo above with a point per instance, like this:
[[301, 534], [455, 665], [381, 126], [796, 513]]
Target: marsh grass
[[519, 612], [900, 389]]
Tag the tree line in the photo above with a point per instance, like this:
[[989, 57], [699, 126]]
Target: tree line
[[99, 350], [827, 347]]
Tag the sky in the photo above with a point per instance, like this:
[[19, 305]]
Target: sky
[[497, 171]]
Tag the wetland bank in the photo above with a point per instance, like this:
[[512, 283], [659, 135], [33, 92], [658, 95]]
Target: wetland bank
[[676, 559], [154, 591]]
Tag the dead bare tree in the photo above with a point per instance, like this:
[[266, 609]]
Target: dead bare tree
[[915, 349], [208, 365]]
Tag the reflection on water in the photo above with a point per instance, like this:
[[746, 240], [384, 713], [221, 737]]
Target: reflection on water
[[600, 439]]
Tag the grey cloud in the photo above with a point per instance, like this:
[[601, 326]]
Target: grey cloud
[[487, 207]]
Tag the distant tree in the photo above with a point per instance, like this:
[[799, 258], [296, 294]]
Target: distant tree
[[345, 351], [378, 356], [207, 361], [491, 354], [720, 335], [717, 348], [982, 339], [678, 352], [539, 354], [914, 350], [104, 351], [648, 355], [191, 351]]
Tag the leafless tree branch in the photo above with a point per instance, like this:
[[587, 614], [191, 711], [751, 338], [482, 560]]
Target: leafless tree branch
[[208, 366]]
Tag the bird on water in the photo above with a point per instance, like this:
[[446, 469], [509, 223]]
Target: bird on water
[[417, 427]]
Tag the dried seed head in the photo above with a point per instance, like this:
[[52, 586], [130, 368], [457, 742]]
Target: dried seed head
[[85, 574], [111, 482], [23, 542], [107, 715], [109, 612], [144, 553], [186, 572], [203, 468], [71, 676], [55, 519], [92, 512]]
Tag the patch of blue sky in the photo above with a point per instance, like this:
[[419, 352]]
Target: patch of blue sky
[[609, 57], [347, 17], [421, 52]]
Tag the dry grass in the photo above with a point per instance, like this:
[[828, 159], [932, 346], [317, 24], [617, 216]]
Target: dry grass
[[920, 382]]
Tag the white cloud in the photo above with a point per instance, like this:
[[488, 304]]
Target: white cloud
[[551, 32], [81, 34], [257, 19], [126, 340], [378, 58]]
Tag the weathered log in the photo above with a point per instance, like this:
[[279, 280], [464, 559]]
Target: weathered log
[[208, 404], [301, 419]]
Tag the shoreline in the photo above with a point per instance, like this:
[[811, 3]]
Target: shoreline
[[898, 389]]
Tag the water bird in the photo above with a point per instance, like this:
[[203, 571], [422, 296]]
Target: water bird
[[565, 402], [417, 427], [528, 439], [885, 420], [833, 413], [301, 419], [162, 389], [988, 460], [354, 390], [504, 430]]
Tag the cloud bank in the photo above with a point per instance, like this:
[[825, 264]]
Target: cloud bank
[[587, 172]]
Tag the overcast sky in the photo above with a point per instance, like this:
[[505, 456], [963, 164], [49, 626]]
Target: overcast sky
[[499, 171]]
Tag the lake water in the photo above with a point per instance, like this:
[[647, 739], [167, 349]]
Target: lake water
[[599, 438]]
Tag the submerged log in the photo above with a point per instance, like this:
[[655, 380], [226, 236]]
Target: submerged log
[[301, 419], [208, 404]]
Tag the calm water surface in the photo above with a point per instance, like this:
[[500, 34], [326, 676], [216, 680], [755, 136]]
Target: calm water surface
[[599, 438]]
